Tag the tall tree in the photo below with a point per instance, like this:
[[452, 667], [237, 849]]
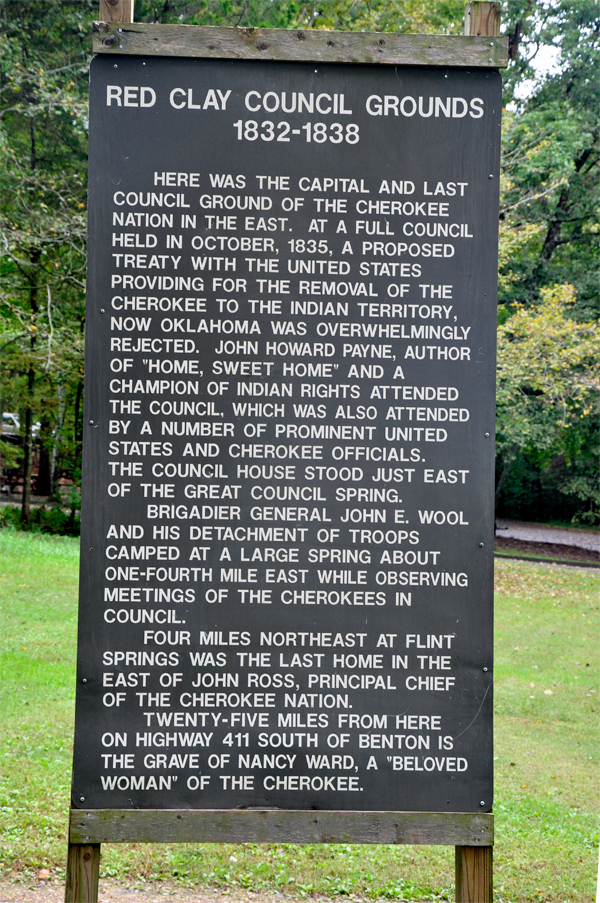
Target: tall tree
[[44, 54], [551, 155]]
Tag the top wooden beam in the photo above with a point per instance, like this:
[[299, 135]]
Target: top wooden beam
[[116, 10], [310, 46]]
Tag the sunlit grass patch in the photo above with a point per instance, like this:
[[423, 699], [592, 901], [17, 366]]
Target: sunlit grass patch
[[546, 690]]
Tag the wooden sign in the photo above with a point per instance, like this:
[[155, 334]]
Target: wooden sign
[[287, 526], [288, 523]]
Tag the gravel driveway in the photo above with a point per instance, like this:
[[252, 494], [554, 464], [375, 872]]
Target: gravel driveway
[[541, 533]]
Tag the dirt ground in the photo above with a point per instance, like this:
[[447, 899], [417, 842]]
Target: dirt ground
[[111, 892]]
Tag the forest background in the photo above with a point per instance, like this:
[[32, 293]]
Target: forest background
[[547, 441]]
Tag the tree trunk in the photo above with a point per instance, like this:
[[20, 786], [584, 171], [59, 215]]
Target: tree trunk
[[57, 441], [42, 482], [28, 450], [34, 257], [507, 462], [77, 433], [77, 441], [553, 234]]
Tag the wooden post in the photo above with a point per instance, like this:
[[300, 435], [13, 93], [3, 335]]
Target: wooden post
[[473, 867], [83, 859], [83, 871], [482, 18], [116, 10]]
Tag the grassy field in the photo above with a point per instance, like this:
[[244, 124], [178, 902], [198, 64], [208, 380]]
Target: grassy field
[[546, 686]]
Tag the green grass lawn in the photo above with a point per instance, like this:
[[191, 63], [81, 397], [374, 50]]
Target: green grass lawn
[[546, 685]]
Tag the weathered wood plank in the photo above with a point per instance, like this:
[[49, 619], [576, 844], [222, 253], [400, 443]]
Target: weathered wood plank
[[279, 826], [474, 881], [482, 18], [116, 11], [311, 46], [83, 870]]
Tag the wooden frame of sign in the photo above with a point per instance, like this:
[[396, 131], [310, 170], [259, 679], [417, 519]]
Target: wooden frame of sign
[[472, 835]]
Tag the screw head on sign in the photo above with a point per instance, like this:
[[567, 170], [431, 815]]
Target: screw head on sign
[[91, 422], [84, 680], [484, 669], [487, 435], [481, 802], [82, 799], [481, 545]]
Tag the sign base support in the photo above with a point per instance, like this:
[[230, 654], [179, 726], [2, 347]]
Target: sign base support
[[473, 874], [83, 872], [471, 835]]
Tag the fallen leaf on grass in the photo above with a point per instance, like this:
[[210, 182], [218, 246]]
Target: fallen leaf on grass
[[43, 874], [547, 692]]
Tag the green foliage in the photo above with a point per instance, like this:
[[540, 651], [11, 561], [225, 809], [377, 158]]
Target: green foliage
[[243, 13], [548, 405], [441, 16], [44, 55], [53, 519], [551, 154], [411, 16], [549, 231], [548, 442]]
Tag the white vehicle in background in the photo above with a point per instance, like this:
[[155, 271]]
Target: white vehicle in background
[[11, 428], [12, 435]]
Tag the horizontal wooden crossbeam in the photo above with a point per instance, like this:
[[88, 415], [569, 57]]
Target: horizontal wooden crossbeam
[[279, 826], [311, 46]]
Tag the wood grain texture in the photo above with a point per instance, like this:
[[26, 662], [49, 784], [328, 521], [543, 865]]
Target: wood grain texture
[[279, 826], [312, 46], [482, 18], [116, 11], [474, 882], [83, 870]]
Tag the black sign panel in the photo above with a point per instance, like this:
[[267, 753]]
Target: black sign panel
[[286, 580]]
